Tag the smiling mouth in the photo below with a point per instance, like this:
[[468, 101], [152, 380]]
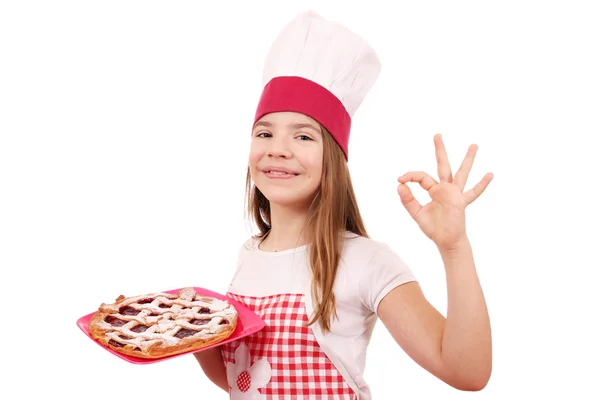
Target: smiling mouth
[[279, 174]]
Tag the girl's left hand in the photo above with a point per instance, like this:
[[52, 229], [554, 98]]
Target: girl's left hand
[[443, 219]]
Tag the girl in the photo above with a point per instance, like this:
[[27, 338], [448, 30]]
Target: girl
[[312, 272]]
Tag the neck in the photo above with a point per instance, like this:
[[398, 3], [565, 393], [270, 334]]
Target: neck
[[287, 229]]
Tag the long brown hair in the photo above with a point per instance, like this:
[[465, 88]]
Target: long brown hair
[[333, 211]]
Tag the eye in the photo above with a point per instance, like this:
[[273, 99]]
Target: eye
[[262, 134], [305, 137]]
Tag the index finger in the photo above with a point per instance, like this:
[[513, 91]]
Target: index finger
[[443, 165]]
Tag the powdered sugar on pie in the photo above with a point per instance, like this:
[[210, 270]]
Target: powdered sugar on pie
[[162, 324]]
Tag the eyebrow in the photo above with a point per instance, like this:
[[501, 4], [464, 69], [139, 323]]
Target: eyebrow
[[294, 126]]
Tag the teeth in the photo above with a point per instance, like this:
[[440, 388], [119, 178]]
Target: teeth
[[278, 173]]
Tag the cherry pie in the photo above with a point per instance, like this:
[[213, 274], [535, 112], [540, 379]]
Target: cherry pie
[[163, 324]]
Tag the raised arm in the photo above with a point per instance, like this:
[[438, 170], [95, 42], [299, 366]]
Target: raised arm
[[458, 348]]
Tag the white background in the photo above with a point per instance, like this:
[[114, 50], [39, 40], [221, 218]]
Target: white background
[[124, 137]]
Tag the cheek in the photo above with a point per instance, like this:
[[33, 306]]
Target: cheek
[[254, 157], [314, 166]]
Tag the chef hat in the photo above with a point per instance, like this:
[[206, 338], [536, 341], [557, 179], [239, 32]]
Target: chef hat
[[321, 69]]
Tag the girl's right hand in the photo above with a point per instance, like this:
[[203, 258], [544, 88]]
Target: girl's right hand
[[211, 362]]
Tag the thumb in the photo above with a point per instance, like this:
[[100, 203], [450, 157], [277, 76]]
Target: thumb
[[408, 200]]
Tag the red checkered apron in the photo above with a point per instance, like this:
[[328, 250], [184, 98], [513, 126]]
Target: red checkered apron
[[299, 369]]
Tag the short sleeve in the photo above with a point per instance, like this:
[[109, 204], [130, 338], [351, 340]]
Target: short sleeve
[[384, 272], [242, 252]]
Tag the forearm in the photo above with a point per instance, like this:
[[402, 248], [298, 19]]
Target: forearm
[[466, 341], [212, 364]]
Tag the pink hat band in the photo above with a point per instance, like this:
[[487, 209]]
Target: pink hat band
[[297, 94]]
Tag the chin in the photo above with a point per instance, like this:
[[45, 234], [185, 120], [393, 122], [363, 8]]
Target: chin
[[287, 198]]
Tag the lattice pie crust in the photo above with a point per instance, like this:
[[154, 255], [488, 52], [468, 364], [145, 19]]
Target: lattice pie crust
[[161, 324]]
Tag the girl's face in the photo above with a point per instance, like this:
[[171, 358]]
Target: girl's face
[[286, 158]]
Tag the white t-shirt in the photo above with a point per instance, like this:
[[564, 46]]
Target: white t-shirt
[[368, 270]]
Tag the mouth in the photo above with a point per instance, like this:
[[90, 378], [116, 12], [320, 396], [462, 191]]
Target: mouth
[[279, 173]]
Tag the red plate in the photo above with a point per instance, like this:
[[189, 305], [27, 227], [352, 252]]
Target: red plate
[[247, 324]]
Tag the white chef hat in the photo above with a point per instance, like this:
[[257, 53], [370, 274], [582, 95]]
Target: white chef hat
[[321, 69]]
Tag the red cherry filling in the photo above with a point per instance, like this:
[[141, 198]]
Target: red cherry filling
[[139, 328], [185, 333], [145, 301], [128, 311], [115, 343], [200, 321], [114, 321]]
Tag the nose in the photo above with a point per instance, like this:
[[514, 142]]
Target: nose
[[279, 147]]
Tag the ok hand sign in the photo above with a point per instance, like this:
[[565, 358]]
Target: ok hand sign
[[443, 219]]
